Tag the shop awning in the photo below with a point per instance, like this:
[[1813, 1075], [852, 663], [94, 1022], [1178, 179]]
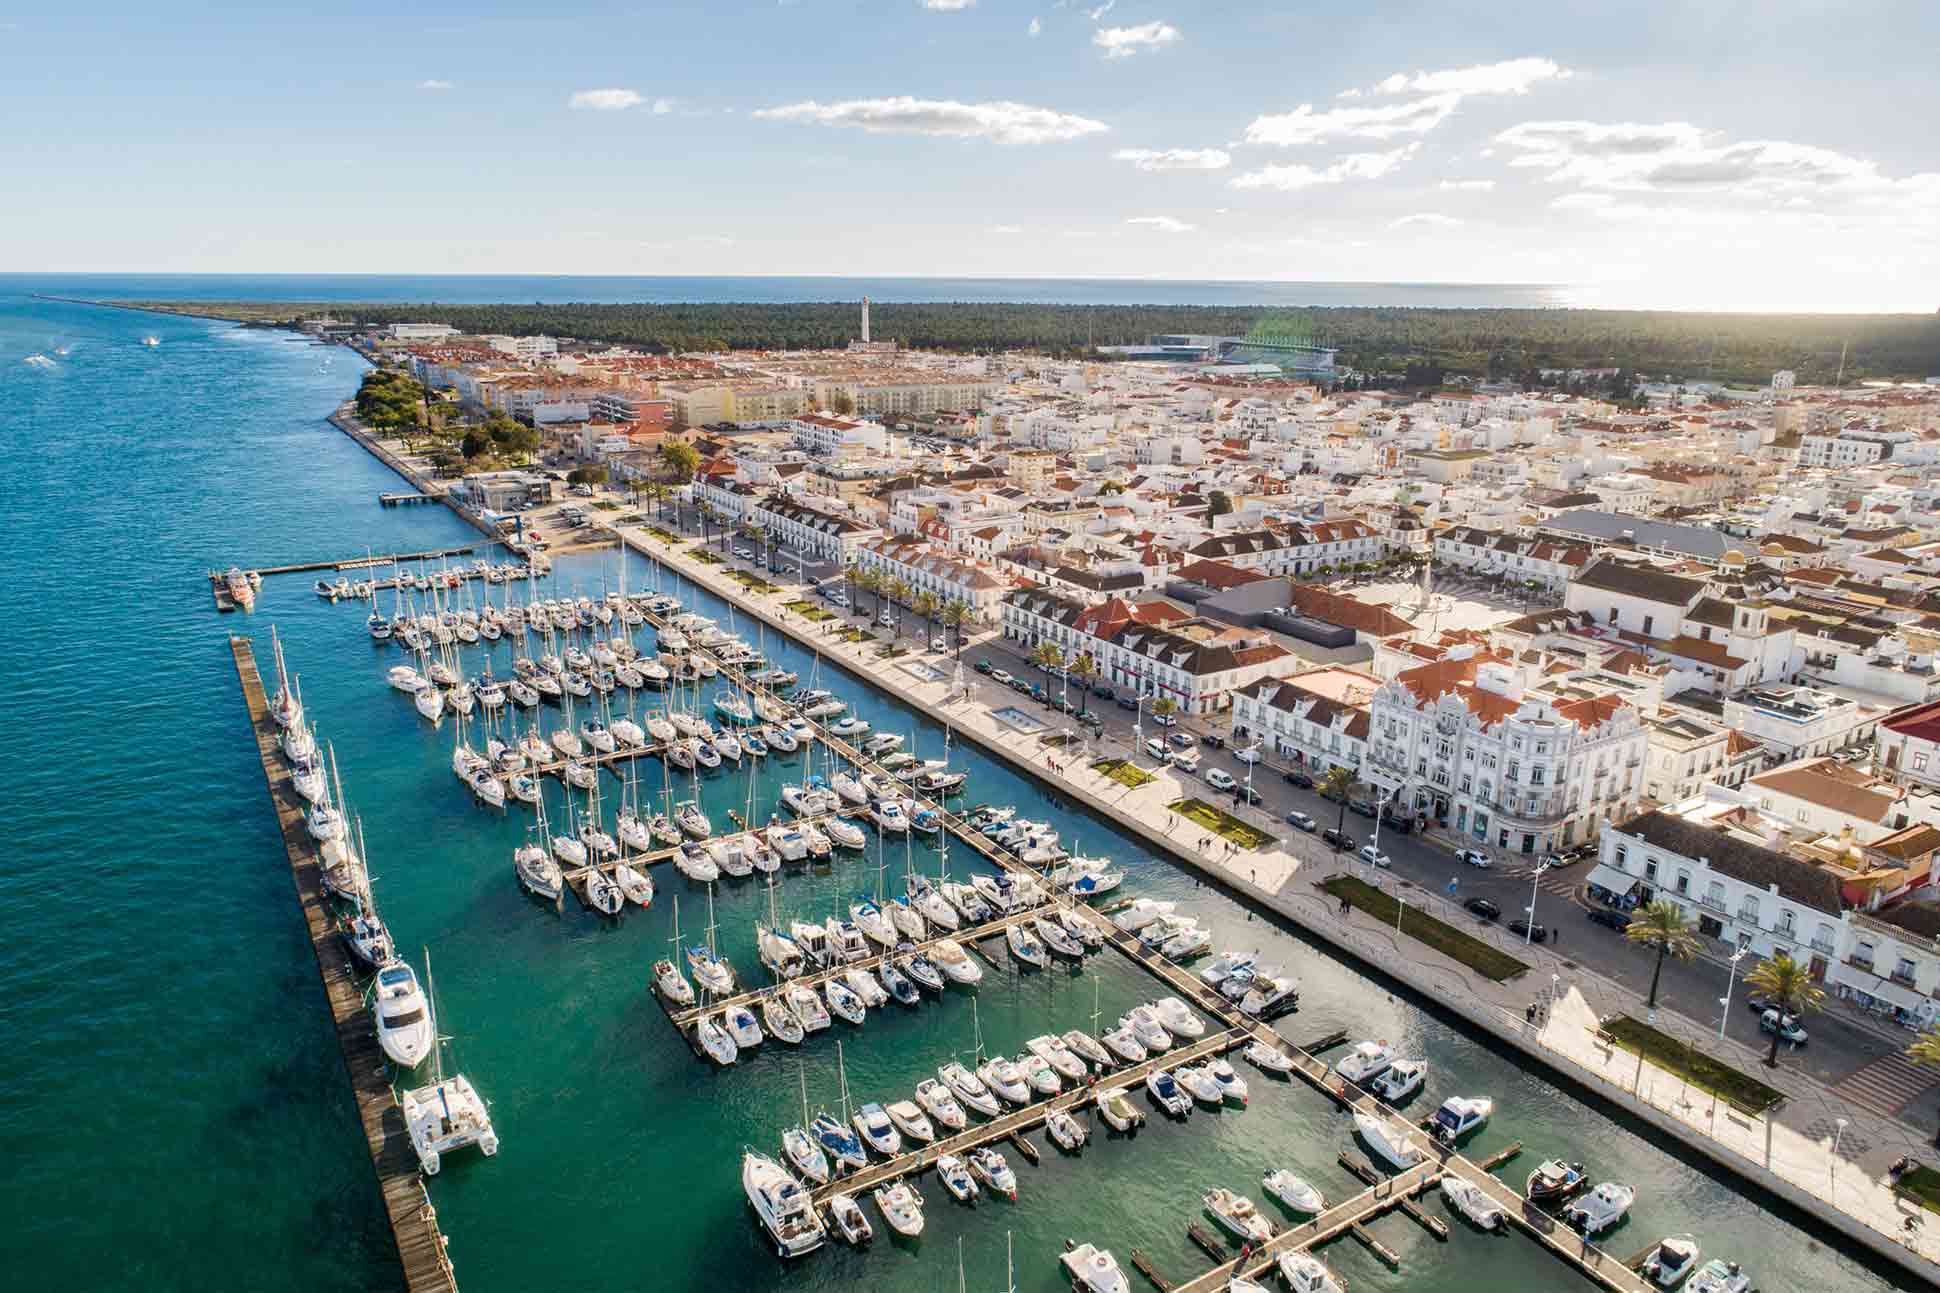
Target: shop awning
[[1608, 877], [1882, 989]]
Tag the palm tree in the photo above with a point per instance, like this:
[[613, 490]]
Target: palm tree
[[1925, 1050], [1164, 706], [868, 580], [1336, 784], [1789, 987], [1083, 669], [926, 606], [850, 573], [1664, 926], [899, 593], [1049, 656], [955, 613]]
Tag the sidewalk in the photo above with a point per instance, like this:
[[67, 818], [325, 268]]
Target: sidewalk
[[1788, 1151]]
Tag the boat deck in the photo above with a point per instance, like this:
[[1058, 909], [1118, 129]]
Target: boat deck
[[414, 1223]]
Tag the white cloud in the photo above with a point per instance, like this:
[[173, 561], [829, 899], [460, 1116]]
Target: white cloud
[[1175, 159], [1514, 76], [1123, 42], [948, 6], [1007, 228], [434, 85], [1034, 28], [1434, 218], [661, 107], [604, 100], [1098, 14], [1353, 166], [1004, 122], [1164, 224], [1467, 186], [1305, 126]]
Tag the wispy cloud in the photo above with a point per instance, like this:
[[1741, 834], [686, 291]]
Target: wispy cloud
[[1433, 219], [948, 6], [434, 85], [1306, 126], [1000, 121], [1123, 42], [1513, 76], [1098, 14], [1352, 166], [1164, 224], [604, 100], [1466, 186], [1175, 159]]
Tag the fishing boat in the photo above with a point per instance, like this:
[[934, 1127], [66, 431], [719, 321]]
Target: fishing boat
[[1554, 1180], [1671, 1262], [1719, 1276], [938, 1103], [957, 1179], [1116, 1108], [901, 1207], [1294, 1193], [1093, 1270], [1472, 1201], [1365, 1062], [1388, 1142], [1305, 1273], [1402, 1080], [785, 1209], [1167, 1094], [1269, 1058], [404, 1027], [1238, 1215], [1600, 1209], [910, 1121], [1461, 1116], [1065, 1131], [994, 1170]]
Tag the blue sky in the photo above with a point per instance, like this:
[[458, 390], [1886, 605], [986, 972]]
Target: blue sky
[[1737, 155]]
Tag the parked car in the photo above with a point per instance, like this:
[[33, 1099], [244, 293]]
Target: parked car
[[1128, 702], [1609, 917], [1522, 928], [1361, 806], [1483, 908], [1102, 693], [1303, 821], [1786, 1026], [1400, 823], [1165, 720], [1474, 857], [1021, 684], [1295, 777], [1339, 839], [939, 643], [1038, 693], [1216, 741], [1186, 760], [887, 620], [1246, 794], [984, 666], [997, 675], [1251, 754], [1217, 778], [1375, 857], [1181, 740]]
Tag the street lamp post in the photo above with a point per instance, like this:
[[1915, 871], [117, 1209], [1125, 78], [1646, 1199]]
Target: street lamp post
[[1529, 929], [1832, 1159], [1730, 979]]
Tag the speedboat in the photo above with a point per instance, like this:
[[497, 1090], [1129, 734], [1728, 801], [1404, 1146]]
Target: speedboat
[[783, 1024], [936, 1100], [805, 1155], [910, 1120], [956, 1178], [1554, 1180], [1472, 1201], [369, 941], [1674, 1258], [1403, 1079], [1145, 1026], [1305, 1273], [1054, 1052], [1226, 964], [850, 1223], [1119, 1113], [1269, 1058], [1231, 1085], [1003, 1076], [1124, 1044], [1238, 1215], [902, 1207], [1293, 1192], [920, 969], [994, 1171], [1200, 1085], [1601, 1208], [1065, 1130], [1367, 1061], [444, 1116], [877, 1131], [1389, 1142], [1093, 1270], [969, 1088], [1178, 1018], [843, 1146], [1167, 1094], [897, 984], [785, 1209], [404, 1027], [1039, 1074], [1024, 946], [808, 1008], [948, 956], [1141, 913], [537, 871], [1460, 1116], [1719, 1276]]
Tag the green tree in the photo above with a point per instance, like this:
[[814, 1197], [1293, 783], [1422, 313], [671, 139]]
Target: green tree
[[842, 404], [899, 591], [1084, 669], [1664, 926], [956, 613], [1219, 503], [1790, 989], [926, 605], [1337, 783], [591, 474], [1048, 656], [680, 459], [476, 442]]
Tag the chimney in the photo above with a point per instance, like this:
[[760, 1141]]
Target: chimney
[[865, 320]]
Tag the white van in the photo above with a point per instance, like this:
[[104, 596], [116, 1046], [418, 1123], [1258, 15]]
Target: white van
[[1187, 759]]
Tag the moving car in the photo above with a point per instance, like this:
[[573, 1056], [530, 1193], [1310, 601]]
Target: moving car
[[1217, 778], [1474, 857], [1182, 740], [886, 620], [1339, 839], [1247, 794], [997, 675], [1610, 917], [1304, 822], [1376, 857], [1786, 1026], [1361, 806], [1295, 777], [1523, 929], [1216, 741], [984, 666], [1156, 748], [1482, 908], [1128, 702]]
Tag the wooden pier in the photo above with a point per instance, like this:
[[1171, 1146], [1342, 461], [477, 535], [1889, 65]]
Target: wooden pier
[[353, 563], [404, 500], [414, 1223]]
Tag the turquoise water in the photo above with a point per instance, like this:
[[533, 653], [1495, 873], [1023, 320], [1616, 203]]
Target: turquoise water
[[172, 1103]]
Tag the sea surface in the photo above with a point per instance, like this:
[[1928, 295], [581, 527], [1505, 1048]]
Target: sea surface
[[555, 289], [173, 1110]]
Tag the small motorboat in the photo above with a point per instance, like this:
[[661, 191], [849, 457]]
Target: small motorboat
[[1271, 1059], [877, 1131], [850, 1224], [969, 1088], [1403, 1079], [1719, 1276], [1364, 1063], [994, 1171], [1003, 1076], [1039, 1075], [1065, 1131], [742, 1027], [1671, 1262], [948, 956], [1461, 1116], [1093, 1270], [1238, 1215], [1388, 1142], [866, 986], [1167, 1093], [957, 1179], [910, 1120], [936, 1100], [1554, 1180], [902, 1207], [1231, 1085], [922, 970], [1294, 1193], [1052, 1050], [1141, 913], [1601, 1208], [1268, 996], [1057, 938], [404, 1028], [1305, 1273], [1178, 1018], [1086, 1048], [845, 833], [1116, 1108], [1226, 964], [1472, 1201], [898, 984], [1200, 1085], [369, 941], [1080, 928]]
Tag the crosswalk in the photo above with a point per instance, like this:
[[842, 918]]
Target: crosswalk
[[1558, 882], [1887, 1085]]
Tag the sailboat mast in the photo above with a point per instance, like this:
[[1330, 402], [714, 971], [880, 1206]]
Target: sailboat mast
[[431, 1004]]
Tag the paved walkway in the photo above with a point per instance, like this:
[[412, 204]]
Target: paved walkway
[[1795, 1143]]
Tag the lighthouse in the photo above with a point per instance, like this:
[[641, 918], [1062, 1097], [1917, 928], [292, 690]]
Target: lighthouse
[[865, 320]]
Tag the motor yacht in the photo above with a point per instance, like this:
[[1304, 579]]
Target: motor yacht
[[1178, 1018], [1199, 1084], [994, 1171], [873, 1124], [1461, 1116], [404, 1026], [1294, 1193], [968, 902], [1145, 1026], [1167, 1093], [1052, 1050], [1093, 1270], [1271, 1059], [694, 862], [1472, 1201], [785, 1209], [892, 817], [845, 833], [1269, 995], [1389, 1143], [1601, 1208], [741, 1025], [937, 1101], [808, 1008], [405, 679], [957, 1179], [1238, 1215], [1002, 1075], [910, 1120], [1305, 1273], [1142, 912], [1402, 1079], [369, 941], [1365, 1062], [1671, 1262], [901, 1207], [1225, 965], [970, 1089], [1081, 928]]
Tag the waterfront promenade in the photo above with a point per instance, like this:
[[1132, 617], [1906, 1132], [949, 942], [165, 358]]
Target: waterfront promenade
[[1788, 1151]]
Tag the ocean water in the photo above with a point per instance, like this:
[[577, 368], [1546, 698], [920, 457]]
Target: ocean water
[[173, 1111], [551, 289]]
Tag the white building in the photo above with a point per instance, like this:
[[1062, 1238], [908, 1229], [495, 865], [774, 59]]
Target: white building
[[1316, 720], [421, 331], [926, 571], [833, 437]]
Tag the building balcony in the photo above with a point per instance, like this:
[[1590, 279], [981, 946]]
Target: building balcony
[[1904, 980], [1714, 904], [1823, 946], [1861, 963]]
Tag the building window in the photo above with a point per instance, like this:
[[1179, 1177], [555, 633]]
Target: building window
[[1683, 882], [1650, 870], [1920, 761], [1620, 856]]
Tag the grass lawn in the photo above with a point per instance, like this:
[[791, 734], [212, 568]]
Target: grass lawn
[[1922, 1183], [1694, 1066], [1124, 772], [706, 557], [753, 582], [607, 505], [1220, 823], [810, 611], [1418, 924], [665, 536], [853, 634], [891, 652]]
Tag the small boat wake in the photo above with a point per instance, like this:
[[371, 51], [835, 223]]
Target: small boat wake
[[38, 360]]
